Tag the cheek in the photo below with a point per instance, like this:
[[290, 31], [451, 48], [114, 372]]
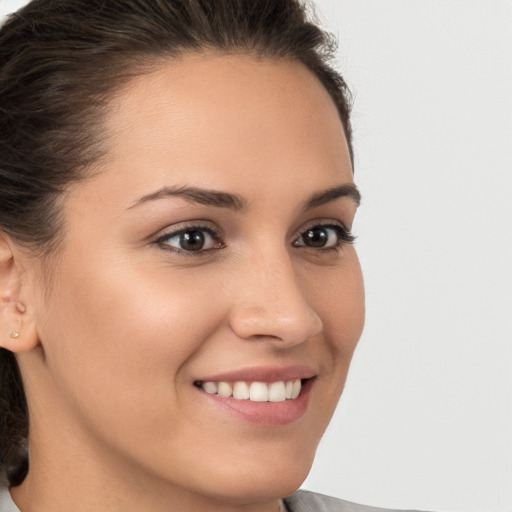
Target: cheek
[[123, 336], [337, 295]]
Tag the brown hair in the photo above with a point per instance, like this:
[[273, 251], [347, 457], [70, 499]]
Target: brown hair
[[60, 63]]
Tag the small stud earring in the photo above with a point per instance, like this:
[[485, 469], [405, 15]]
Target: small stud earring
[[15, 334]]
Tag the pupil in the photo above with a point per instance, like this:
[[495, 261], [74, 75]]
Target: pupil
[[192, 240], [316, 237]]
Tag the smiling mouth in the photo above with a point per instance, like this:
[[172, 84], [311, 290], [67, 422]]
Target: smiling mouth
[[278, 391]]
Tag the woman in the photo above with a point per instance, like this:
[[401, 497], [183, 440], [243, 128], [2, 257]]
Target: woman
[[180, 296]]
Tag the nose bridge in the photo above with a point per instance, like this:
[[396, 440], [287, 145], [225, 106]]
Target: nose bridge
[[273, 303]]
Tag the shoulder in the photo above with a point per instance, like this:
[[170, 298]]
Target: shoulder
[[6, 504], [305, 501]]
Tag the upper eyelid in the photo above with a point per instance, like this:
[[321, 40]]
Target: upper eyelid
[[322, 222], [218, 233], [206, 224], [181, 227]]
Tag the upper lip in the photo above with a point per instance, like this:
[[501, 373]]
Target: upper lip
[[262, 374]]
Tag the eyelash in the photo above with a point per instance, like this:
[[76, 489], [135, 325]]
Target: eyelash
[[216, 236], [344, 236]]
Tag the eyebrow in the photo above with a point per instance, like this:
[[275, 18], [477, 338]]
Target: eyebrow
[[198, 195], [238, 203], [331, 194]]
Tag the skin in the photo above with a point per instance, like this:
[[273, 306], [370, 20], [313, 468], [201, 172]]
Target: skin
[[110, 351]]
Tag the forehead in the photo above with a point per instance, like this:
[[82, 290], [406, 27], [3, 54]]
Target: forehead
[[212, 119], [230, 82]]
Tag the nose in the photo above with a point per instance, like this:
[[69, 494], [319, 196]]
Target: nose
[[270, 303]]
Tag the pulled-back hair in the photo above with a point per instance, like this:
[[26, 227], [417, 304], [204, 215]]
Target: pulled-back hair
[[61, 62]]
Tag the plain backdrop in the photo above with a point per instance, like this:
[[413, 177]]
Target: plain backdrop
[[426, 417]]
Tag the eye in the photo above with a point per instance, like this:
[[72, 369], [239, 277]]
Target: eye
[[324, 236], [191, 239]]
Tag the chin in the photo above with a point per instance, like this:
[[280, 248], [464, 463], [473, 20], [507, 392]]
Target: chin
[[245, 491], [277, 478]]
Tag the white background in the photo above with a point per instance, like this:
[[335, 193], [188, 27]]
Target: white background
[[426, 418]]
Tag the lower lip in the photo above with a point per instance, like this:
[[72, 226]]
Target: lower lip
[[264, 413]]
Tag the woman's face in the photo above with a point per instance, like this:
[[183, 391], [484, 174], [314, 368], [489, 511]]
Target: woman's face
[[213, 247]]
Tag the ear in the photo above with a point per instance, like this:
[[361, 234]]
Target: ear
[[17, 329]]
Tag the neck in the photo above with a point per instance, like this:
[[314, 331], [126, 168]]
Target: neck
[[42, 493], [97, 482], [69, 471]]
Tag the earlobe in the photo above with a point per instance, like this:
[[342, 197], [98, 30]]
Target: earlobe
[[17, 332]]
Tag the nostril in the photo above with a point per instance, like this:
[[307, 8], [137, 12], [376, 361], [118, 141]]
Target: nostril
[[264, 337]]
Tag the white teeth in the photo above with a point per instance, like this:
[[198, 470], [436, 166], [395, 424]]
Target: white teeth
[[296, 388], [288, 389], [225, 389], [277, 392], [255, 391], [241, 391], [258, 392], [210, 387]]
